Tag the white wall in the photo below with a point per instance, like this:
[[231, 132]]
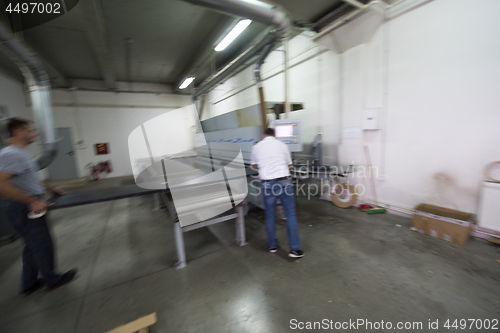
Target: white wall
[[443, 103], [107, 117], [439, 104], [433, 72]]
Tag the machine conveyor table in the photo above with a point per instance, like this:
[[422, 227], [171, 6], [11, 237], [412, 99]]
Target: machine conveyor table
[[127, 191], [100, 195]]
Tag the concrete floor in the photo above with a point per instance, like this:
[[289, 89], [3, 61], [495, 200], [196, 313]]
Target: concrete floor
[[357, 266]]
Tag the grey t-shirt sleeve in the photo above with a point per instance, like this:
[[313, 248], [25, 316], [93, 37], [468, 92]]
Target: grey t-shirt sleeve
[[17, 162], [10, 163]]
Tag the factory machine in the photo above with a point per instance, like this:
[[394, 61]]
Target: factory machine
[[214, 175], [243, 127]]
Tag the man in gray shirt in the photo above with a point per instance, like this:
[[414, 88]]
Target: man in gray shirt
[[21, 186]]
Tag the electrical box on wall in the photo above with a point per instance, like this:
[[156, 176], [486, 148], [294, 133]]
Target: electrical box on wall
[[371, 119], [101, 148]]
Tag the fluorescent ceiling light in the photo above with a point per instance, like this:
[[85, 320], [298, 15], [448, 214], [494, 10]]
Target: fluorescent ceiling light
[[186, 82], [238, 29]]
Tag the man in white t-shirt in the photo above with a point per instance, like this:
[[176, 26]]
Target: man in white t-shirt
[[272, 158]]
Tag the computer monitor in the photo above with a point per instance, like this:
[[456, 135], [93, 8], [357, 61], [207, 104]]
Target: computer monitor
[[283, 131], [288, 132]]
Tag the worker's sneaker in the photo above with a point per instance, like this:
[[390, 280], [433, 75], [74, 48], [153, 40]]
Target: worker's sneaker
[[296, 254], [31, 290], [273, 250], [65, 278]]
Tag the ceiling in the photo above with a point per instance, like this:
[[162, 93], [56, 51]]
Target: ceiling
[[154, 41]]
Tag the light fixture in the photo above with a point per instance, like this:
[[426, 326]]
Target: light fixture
[[186, 82], [238, 29]]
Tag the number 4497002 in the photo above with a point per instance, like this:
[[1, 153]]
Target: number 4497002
[[468, 324], [35, 7]]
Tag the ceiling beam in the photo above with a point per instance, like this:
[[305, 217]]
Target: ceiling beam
[[205, 50], [95, 30]]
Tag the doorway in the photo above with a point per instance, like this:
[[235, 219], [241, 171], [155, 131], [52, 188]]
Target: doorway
[[64, 165]]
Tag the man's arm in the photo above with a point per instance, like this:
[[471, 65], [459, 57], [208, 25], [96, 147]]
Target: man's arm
[[253, 159], [9, 191], [54, 189]]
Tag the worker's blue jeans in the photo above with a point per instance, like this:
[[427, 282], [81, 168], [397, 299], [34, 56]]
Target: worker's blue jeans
[[38, 252], [284, 190]]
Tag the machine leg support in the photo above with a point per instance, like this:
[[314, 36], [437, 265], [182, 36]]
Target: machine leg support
[[240, 226], [156, 198], [179, 246]]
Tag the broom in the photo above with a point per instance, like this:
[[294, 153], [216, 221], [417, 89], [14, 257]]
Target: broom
[[375, 210]]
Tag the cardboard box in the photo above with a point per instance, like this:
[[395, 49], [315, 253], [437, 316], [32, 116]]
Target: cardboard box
[[443, 223]]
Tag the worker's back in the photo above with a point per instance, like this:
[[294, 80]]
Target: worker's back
[[272, 158]]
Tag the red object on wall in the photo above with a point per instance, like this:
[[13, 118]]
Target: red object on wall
[[101, 149], [109, 167], [95, 173]]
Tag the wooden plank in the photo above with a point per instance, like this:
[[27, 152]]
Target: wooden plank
[[137, 325]]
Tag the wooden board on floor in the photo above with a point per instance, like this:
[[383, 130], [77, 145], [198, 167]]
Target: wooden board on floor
[[140, 325]]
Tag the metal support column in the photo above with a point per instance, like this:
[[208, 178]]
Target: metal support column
[[179, 246], [240, 225], [156, 198], [179, 237]]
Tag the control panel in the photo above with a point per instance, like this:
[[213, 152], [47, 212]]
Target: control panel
[[289, 132]]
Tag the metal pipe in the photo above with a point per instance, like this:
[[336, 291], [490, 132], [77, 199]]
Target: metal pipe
[[354, 3], [252, 80], [288, 108], [342, 10], [227, 71], [202, 106], [38, 84], [256, 71], [255, 11], [121, 91], [258, 64], [246, 85]]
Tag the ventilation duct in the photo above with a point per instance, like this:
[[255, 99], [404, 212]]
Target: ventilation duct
[[255, 11], [38, 84], [233, 66]]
